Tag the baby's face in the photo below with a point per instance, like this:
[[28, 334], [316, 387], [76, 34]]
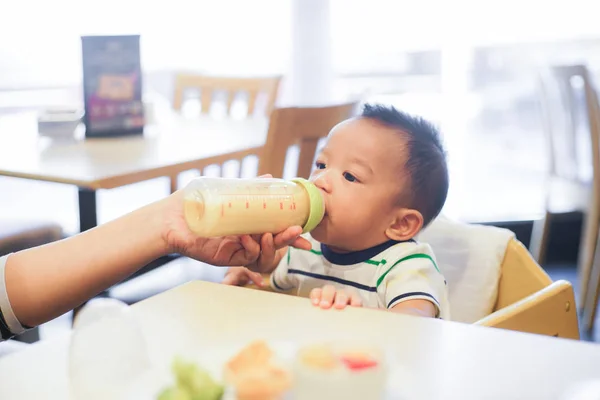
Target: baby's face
[[360, 174]]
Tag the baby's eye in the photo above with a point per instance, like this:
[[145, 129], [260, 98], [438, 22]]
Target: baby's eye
[[320, 165], [349, 177]]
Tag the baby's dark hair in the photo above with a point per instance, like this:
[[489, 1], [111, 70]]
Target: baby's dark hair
[[425, 160]]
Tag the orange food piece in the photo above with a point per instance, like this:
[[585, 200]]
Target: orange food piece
[[254, 374], [256, 354], [264, 383]]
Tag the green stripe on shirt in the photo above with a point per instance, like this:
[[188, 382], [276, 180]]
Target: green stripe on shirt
[[412, 256], [375, 262]]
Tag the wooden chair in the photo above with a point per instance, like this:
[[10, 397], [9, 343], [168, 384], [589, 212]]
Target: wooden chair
[[301, 126], [568, 190], [210, 86], [528, 300]]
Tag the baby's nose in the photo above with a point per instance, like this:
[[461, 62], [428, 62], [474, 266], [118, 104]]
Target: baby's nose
[[321, 181]]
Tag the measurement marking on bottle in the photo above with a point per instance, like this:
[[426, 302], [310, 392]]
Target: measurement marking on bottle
[[247, 205], [229, 204], [281, 206]]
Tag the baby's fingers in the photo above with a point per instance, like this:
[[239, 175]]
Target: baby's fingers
[[355, 300], [235, 277], [341, 300], [255, 277], [315, 296], [327, 296]]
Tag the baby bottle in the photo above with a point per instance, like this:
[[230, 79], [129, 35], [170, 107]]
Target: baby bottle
[[221, 206]]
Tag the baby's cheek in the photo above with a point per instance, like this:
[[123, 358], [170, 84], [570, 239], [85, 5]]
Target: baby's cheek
[[359, 218]]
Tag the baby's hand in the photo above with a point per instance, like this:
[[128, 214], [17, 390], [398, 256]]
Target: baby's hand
[[240, 276], [330, 296]]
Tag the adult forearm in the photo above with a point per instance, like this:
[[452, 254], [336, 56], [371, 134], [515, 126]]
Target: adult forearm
[[47, 281]]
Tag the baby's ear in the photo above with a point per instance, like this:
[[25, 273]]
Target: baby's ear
[[405, 225]]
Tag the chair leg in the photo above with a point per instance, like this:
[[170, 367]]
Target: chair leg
[[539, 238], [589, 311], [174, 183], [587, 250]]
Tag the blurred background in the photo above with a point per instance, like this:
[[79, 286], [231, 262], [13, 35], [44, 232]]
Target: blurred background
[[472, 67]]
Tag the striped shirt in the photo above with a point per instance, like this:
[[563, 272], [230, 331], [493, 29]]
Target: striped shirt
[[383, 276], [9, 324]]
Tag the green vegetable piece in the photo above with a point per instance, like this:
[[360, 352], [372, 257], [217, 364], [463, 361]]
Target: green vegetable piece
[[195, 381], [174, 393]]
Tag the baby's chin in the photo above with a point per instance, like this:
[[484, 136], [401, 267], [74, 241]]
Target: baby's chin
[[329, 234], [325, 234], [320, 233]]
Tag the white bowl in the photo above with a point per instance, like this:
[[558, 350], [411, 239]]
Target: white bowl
[[58, 124]]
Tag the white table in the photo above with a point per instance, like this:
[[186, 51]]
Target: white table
[[436, 359]]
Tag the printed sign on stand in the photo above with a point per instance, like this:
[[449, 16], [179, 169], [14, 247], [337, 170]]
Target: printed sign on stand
[[112, 85]]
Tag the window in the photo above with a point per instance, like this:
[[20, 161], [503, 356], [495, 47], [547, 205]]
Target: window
[[471, 67]]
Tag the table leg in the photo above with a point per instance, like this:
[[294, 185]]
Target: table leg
[[88, 218]]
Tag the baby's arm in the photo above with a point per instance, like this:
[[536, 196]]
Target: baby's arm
[[410, 285], [413, 285], [418, 307]]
